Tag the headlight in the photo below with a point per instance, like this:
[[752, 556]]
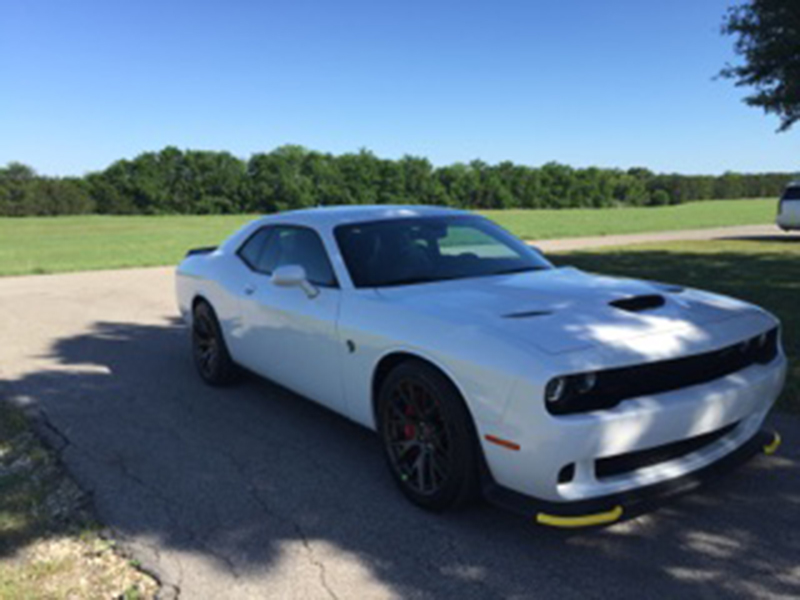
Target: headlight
[[562, 390], [585, 383], [762, 340], [555, 389]]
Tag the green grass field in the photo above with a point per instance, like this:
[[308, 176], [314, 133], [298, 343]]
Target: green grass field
[[57, 244], [553, 224], [764, 271]]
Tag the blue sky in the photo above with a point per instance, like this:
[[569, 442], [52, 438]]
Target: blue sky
[[616, 83]]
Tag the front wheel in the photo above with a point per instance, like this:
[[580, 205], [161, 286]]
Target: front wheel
[[211, 357], [428, 437]]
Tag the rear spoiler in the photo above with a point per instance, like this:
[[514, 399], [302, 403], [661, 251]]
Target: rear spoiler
[[198, 251]]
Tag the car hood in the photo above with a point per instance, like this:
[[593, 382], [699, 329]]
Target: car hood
[[565, 309]]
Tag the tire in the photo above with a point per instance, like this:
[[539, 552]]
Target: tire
[[428, 437], [209, 351]]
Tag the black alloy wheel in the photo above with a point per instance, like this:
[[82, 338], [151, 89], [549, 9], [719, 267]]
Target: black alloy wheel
[[211, 357], [428, 437]]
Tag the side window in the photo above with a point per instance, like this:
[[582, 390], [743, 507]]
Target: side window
[[253, 248], [298, 246]]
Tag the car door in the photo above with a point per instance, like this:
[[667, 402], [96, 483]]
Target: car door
[[289, 336]]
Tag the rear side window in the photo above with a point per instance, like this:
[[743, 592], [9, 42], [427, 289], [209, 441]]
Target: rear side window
[[253, 248], [289, 245], [792, 193]]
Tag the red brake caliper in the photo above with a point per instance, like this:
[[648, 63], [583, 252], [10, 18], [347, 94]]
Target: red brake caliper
[[409, 430]]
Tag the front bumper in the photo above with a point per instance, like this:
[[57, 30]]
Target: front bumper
[[734, 406], [625, 505]]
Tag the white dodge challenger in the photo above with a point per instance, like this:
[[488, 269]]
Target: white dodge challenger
[[566, 396]]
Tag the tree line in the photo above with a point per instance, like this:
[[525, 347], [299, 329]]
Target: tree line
[[173, 181]]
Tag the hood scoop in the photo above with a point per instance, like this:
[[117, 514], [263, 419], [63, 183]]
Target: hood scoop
[[639, 303]]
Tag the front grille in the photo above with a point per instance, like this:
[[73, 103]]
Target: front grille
[[615, 385], [625, 463]]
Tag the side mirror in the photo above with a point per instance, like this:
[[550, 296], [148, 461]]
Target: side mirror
[[294, 276]]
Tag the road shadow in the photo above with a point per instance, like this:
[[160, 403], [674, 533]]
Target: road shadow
[[247, 477], [786, 238]]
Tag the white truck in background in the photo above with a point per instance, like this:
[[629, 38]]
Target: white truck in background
[[789, 208]]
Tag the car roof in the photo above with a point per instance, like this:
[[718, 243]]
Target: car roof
[[332, 216], [326, 218]]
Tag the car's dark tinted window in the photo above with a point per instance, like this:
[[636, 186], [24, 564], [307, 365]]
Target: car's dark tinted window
[[253, 248], [418, 250], [792, 193], [297, 246]]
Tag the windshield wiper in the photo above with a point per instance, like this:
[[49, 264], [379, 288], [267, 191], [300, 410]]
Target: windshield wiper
[[411, 281], [430, 279]]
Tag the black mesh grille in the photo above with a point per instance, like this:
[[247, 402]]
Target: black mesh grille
[[615, 385], [625, 463]]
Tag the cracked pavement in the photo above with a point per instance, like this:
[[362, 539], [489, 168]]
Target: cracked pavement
[[255, 492]]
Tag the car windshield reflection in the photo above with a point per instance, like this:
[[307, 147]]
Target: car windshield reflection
[[431, 249]]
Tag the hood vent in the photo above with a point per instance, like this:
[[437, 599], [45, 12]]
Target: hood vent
[[639, 303], [528, 314]]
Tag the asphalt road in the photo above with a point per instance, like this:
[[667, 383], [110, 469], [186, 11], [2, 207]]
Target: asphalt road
[[253, 492]]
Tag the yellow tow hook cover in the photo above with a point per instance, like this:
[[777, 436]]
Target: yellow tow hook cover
[[772, 447], [601, 518]]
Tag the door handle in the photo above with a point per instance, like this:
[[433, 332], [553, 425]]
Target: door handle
[[249, 289]]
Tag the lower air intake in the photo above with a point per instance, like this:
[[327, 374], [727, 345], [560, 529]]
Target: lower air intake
[[626, 463]]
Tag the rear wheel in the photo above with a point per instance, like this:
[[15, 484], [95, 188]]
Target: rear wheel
[[428, 437], [211, 357]]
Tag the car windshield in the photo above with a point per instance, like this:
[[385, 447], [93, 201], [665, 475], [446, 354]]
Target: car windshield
[[426, 249]]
